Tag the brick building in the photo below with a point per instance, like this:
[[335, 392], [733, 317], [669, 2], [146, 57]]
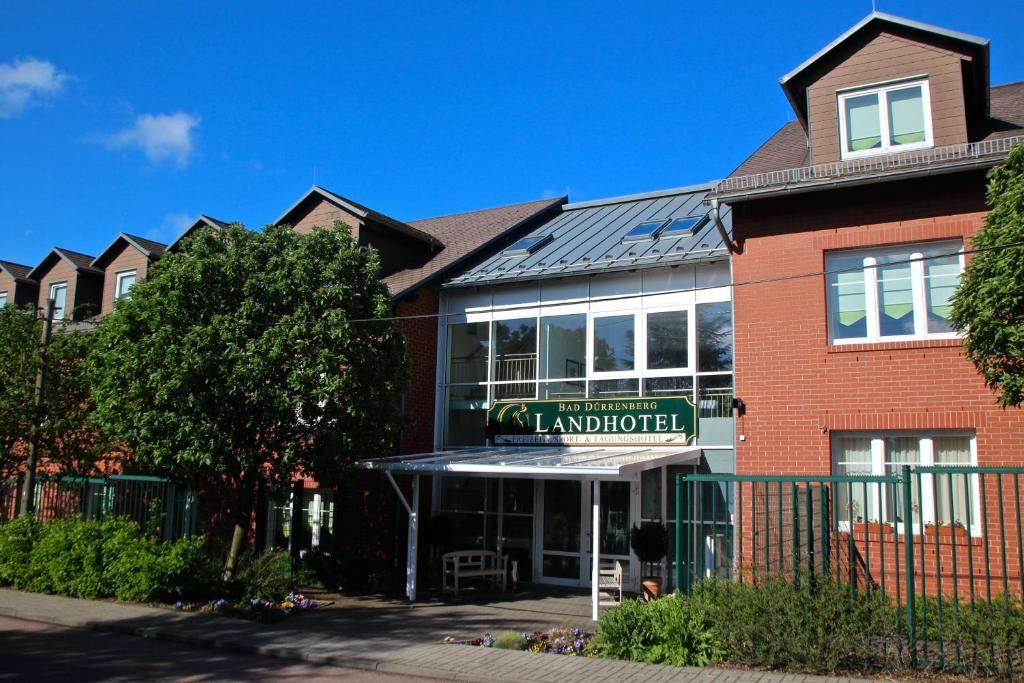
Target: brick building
[[852, 225]]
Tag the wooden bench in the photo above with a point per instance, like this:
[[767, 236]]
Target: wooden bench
[[610, 577], [466, 564]]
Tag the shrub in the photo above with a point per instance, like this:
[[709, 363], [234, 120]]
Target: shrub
[[775, 624], [67, 558], [131, 562], [188, 570], [92, 559], [326, 568], [266, 575], [510, 640], [17, 537], [671, 630]]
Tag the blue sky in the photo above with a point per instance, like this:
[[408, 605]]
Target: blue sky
[[138, 116]]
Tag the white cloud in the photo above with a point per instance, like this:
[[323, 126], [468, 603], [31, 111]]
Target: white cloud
[[24, 81], [162, 137]]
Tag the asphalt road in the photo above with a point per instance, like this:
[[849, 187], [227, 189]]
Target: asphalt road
[[32, 651]]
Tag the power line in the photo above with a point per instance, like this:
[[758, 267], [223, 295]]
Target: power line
[[620, 297]]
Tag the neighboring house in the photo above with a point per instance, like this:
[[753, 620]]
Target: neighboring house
[[124, 263], [201, 222], [852, 225], [70, 279], [415, 256], [16, 287]]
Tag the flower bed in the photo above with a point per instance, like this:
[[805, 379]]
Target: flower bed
[[559, 641], [256, 609]]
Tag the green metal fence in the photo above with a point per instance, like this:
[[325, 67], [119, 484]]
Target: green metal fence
[[944, 543], [159, 505]]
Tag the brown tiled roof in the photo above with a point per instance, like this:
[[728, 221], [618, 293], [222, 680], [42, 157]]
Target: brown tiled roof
[[80, 261], [154, 248], [463, 234], [1006, 110], [787, 148], [16, 270]]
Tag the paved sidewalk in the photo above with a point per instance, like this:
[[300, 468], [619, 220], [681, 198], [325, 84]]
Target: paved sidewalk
[[358, 645]]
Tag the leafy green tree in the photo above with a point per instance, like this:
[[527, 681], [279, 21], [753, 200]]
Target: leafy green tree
[[253, 357], [67, 443], [988, 307]]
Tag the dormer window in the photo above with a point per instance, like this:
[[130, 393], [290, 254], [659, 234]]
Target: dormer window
[[125, 282], [882, 119]]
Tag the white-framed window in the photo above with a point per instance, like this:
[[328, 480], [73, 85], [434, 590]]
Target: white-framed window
[[888, 118], [893, 293], [3, 299], [59, 294], [583, 350], [943, 499], [123, 284]]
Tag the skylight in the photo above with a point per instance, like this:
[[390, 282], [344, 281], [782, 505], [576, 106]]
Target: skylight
[[644, 231], [683, 227], [526, 245]]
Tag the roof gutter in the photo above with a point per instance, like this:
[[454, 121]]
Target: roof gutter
[[723, 233], [803, 188]]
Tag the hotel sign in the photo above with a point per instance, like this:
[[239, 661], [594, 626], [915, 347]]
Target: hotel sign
[[606, 422]]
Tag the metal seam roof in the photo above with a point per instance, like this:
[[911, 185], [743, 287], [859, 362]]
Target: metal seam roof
[[587, 237]]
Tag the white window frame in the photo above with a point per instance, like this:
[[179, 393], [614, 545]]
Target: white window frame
[[926, 450], [883, 113], [3, 299], [53, 295], [639, 346], [870, 271], [118, 294], [691, 342]]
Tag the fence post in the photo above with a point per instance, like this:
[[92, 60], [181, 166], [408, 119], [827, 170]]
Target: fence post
[[297, 536], [908, 555], [168, 527], [680, 584]]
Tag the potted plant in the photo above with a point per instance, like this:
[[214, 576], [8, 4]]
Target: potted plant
[[649, 542]]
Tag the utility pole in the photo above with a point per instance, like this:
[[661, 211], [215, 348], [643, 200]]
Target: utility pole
[[28, 503]]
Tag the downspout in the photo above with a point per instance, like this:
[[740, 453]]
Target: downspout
[[717, 218]]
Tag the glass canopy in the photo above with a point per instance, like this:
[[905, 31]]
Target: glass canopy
[[538, 462]]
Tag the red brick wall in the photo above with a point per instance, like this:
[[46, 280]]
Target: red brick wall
[[795, 386], [421, 343]]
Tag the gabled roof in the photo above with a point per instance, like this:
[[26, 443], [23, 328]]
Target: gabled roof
[[18, 272], [589, 237], [80, 262], [794, 83], [465, 236], [202, 222], [149, 248], [362, 212]]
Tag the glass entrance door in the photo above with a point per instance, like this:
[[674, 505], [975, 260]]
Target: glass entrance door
[[566, 528], [561, 530]]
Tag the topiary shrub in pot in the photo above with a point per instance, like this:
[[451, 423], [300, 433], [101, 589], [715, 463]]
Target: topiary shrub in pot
[[649, 542]]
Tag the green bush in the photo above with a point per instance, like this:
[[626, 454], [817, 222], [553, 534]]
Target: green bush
[[91, 559], [986, 636], [672, 630], [17, 537], [189, 571], [67, 558], [822, 628], [131, 562], [266, 575], [509, 640]]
